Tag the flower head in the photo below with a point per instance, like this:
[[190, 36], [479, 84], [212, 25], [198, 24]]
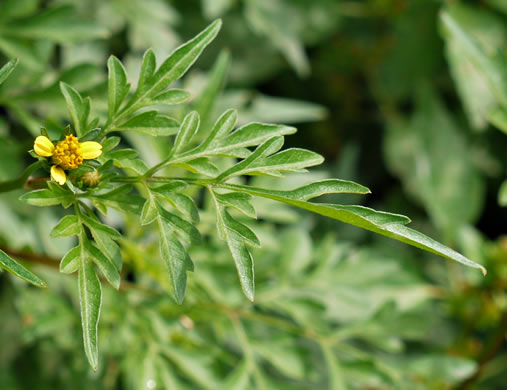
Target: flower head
[[67, 154]]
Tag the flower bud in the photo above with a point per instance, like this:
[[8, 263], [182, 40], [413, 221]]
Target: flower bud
[[91, 179]]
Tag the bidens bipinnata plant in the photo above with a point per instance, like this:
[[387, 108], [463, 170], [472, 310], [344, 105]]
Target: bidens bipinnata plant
[[89, 173]]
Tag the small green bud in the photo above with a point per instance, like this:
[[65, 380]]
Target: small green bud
[[91, 179]]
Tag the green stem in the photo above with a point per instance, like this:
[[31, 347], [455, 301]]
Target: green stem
[[14, 184]]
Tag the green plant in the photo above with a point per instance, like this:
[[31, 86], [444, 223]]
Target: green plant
[[214, 158]]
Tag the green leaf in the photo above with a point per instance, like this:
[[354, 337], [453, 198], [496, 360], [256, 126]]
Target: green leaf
[[174, 66], [7, 69], [223, 126], [44, 198], [239, 251], [110, 143], [118, 87], [58, 24], [172, 96], [293, 159], [238, 201], [149, 212], [418, 152], [243, 261], [147, 70], [474, 37], [175, 259], [105, 264], [108, 247], [94, 224], [77, 108], [168, 188], [184, 229], [150, 123], [200, 165], [68, 226], [254, 134], [71, 261], [242, 230], [390, 225], [12, 266], [186, 132], [184, 204], [90, 298], [270, 146]]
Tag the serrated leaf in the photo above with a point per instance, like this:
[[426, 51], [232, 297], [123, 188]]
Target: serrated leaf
[[172, 96], [174, 66], [150, 123], [105, 264], [186, 132], [71, 261], [90, 298], [7, 69], [175, 259], [118, 87], [68, 226], [387, 224], [12, 266], [77, 107], [44, 198]]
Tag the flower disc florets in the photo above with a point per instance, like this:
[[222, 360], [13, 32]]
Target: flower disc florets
[[67, 154]]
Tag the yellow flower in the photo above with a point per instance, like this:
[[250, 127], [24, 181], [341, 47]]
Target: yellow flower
[[67, 154]]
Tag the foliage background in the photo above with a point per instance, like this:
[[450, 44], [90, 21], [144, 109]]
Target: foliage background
[[406, 97]]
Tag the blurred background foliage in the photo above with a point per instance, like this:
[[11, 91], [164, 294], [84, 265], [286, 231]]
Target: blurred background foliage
[[408, 97]]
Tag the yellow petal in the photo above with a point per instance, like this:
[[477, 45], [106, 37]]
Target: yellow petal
[[43, 146], [58, 175], [90, 150]]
